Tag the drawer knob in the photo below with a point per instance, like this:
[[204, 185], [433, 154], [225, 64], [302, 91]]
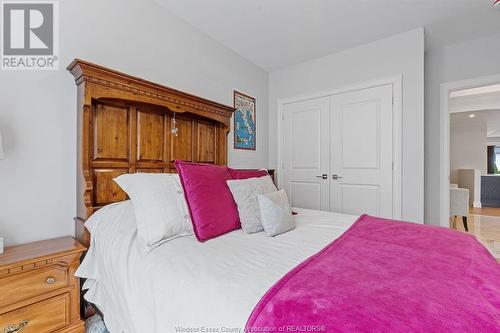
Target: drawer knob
[[50, 280], [16, 329]]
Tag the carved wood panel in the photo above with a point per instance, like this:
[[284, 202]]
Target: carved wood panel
[[150, 136], [206, 142], [111, 132], [106, 190], [130, 139], [182, 144]]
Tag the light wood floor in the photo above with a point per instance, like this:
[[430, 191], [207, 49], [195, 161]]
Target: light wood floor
[[489, 211], [486, 229]]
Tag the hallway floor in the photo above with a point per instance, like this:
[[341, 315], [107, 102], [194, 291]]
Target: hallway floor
[[486, 228], [489, 211]]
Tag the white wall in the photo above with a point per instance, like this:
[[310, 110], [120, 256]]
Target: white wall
[[404, 54], [452, 63], [471, 180], [38, 109], [468, 146]]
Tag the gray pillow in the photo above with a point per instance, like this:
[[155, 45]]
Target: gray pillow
[[245, 192], [275, 213]]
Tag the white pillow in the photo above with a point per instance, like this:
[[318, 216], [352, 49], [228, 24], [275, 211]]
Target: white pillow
[[160, 207], [245, 192], [275, 213]]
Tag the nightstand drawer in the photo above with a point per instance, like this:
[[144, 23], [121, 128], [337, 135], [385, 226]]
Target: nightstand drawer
[[39, 291], [21, 286], [41, 317]]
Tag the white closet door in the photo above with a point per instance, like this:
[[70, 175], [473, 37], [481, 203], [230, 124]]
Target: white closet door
[[307, 153], [362, 147]]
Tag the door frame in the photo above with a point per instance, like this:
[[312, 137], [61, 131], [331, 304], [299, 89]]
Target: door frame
[[444, 158], [397, 92]]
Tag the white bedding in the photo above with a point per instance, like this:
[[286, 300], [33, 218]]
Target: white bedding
[[184, 285]]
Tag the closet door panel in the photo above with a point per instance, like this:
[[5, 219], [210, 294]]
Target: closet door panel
[[362, 152], [306, 153]]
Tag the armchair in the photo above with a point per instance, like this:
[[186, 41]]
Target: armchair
[[459, 204]]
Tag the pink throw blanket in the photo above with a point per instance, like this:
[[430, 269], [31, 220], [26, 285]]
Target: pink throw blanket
[[387, 276]]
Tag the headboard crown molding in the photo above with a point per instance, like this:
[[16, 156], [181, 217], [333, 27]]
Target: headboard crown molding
[[148, 92]]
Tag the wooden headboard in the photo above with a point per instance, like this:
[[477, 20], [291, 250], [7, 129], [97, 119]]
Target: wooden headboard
[[124, 126]]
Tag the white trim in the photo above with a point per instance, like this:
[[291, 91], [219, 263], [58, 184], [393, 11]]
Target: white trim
[[444, 158], [397, 84]]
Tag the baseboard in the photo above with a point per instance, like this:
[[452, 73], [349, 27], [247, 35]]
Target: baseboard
[[477, 204]]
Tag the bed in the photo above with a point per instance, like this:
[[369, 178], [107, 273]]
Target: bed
[[187, 284], [354, 273]]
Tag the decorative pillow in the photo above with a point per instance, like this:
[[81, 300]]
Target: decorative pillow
[[244, 174], [275, 213], [212, 207], [245, 192], [160, 208]]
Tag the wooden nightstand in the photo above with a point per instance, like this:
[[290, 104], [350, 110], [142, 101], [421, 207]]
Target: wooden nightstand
[[38, 290]]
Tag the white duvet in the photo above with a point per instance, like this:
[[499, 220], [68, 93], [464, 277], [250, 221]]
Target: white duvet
[[187, 286]]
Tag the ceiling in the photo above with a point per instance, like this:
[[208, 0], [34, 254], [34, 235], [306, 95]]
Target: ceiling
[[477, 106], [277, 33], [490, 117]]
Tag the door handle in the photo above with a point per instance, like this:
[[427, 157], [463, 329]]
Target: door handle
[[336, 177], [323, 176]]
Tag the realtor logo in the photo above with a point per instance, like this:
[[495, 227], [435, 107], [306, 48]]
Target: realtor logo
[[30, 35]]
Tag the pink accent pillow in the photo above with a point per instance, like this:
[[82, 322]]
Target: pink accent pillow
[[245, 174], [211, 204]]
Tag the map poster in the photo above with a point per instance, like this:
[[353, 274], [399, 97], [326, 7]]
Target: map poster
[[244, 121]]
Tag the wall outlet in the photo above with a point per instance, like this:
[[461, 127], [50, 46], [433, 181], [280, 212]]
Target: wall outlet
[[1, 245]]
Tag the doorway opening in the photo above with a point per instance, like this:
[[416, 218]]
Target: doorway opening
[[474, 163]]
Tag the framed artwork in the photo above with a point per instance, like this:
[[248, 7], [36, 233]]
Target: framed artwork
[[244, 122]]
